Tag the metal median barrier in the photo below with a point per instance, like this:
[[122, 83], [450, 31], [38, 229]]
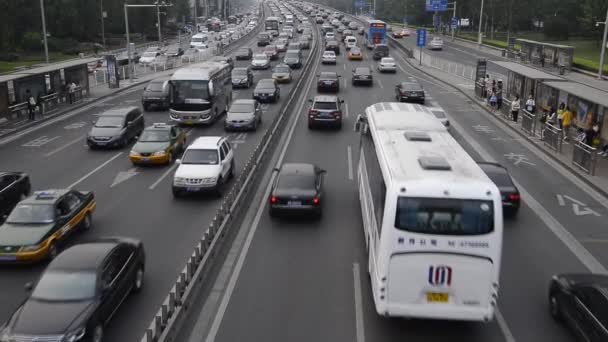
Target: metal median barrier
[[584, 157], [168, 320], [528, 122]]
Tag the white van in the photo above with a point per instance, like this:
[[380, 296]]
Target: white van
[[199, 41], [350, 42]]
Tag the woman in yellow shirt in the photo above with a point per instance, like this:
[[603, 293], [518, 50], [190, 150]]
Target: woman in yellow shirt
[[566, 123]]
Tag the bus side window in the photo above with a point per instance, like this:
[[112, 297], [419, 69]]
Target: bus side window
[[374, 176]]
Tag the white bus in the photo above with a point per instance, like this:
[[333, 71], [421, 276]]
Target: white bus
[[201, 93], [432, 219], [271, 24]]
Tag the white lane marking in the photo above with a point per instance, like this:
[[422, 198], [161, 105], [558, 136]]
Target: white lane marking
[[40, 141], [63, 147], [345, 83], [502, 324], [344, 65], [581, 253], [349, 156], [94, 170], [124, 176], [160, 179], [359, 321], [346, 109], [217, 321], [380, 84]]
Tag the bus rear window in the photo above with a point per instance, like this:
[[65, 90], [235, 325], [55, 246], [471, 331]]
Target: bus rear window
[[442, 216]]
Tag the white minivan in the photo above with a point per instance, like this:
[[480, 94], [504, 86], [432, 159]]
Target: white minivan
[[199, 41], [350, 42]]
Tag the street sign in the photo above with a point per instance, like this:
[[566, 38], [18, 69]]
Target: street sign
[[454, 23], [436, 5], [421, 37]]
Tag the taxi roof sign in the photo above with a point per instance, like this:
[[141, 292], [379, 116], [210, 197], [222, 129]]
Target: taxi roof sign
[[160, 124], [47, 194]]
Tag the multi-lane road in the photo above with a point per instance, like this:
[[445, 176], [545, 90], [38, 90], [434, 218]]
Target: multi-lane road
[[132, 201], [306, 280]]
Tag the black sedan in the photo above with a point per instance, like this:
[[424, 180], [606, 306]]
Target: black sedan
[[14, 187], [409, 92], [328, 81], [298, 188], [333, 45], [79, 291], [508, 191], [362, 75], [267, 90], [579, 301]]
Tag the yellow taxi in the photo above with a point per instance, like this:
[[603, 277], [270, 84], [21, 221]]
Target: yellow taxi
[[355, 54], [37, 227], [158, 144]]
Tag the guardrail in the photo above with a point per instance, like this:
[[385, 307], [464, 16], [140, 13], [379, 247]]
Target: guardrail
[[552, 136], [169, 318], [528, 122], [584, 157]]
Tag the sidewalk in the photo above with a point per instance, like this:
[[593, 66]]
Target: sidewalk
[[467, 87]]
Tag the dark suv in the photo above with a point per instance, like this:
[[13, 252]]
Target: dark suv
[[380, 50], [156, 93], [325, 110], [362, 75], [328, 81], [333, 45], [116, 127]]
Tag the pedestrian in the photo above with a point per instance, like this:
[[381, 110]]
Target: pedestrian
[[488, 90], [560, 114], [542, 59], [493, 99], [566, 123], [592, 134], [31, 105], [499, 95], [70, 93], [530, 104], [39, 103], [552, 117], [515, 106]]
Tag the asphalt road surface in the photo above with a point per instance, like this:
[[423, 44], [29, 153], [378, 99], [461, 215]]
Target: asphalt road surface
[[131, 201], [300, 280]]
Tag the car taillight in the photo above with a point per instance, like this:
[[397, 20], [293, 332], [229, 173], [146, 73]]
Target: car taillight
[[514, 197], [316, 201], [337, 113], [273, 200], [313, 112]]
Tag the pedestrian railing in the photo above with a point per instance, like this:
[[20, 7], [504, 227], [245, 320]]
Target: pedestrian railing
[[505, 109], [18, 110], [528, 122], [552, 137], [50, 103], [584, 157]]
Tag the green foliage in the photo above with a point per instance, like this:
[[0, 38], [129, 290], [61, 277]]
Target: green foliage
[[32, 41], [557, 28]]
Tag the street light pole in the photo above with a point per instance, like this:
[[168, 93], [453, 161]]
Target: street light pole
[[195, 16], [160, 38], [454, 28], [103, 30], [603, 53], [128, 41], [479, 38], [46, 46]]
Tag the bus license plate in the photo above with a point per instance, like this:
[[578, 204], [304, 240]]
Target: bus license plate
[[294, 203], [435, 297]]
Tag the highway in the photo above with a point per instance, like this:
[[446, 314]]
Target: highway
[[306, 280], [131, 201]]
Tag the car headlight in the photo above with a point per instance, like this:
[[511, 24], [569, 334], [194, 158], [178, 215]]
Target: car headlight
[[179, 180], [209, 180], [160, 153], [31, 248], [75, 335], [133, 154]]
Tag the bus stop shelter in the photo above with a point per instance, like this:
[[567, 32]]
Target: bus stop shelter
[[555, 55], [523, 80], [45, 81]]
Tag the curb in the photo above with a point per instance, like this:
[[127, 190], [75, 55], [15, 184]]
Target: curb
[[570, 169]]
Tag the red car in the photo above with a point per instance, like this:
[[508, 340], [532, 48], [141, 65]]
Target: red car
[[401, 34]]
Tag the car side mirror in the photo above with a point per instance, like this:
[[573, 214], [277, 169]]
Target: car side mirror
[[276, 169], [178, 161], [93, 122], [310, 100], [29, 286], [341, 101]]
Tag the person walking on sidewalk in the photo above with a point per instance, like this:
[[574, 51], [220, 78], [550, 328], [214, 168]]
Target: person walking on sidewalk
[[515, 106], [493, 99], [71, 92], [566, 123], [31, 105], [560, 114], [499, 95]]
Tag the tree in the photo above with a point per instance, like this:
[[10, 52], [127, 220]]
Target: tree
[[593, 11]]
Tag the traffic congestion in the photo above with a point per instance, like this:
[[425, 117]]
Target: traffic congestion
[[375, 215]]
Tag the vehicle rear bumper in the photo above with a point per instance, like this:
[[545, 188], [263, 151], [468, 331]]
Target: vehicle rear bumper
[[191, 118], [437, 311]]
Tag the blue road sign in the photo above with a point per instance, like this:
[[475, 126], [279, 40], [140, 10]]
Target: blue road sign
[[454, 23], [421, 37], [436, 5]]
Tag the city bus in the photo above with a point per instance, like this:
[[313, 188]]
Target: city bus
[[200, 94], [375, 33], [271, 24], [432, 219]]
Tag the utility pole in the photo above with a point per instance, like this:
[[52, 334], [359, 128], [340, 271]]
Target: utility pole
[[103, 30], [128, 41], [603, 53], [46, 45], [479, 38], [195, 17], [160, 38], [454, 28]]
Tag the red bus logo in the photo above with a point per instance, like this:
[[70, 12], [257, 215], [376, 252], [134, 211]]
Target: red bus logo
[[440, 275]]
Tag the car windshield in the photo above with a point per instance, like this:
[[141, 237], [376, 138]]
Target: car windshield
[[107, 121], [155, 135], [325, 105], [444, 216], [260, 57], [149, 54], [329, 76], [65, 286], [291, 55], [155, 86], [239, 72], [241, 108], [410, 86], [32, 213], [362, 71], [282, 69], [199, 156], [295, 181], [381, 48], [388, 60]]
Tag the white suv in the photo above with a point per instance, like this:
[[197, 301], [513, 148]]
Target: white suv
[[207, 165]]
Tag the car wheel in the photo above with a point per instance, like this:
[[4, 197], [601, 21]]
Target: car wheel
[[97, 335], [554, 307], [219, 189], [87, 222], [53, 251], [310, 125], [231, 174], [138, 282]]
